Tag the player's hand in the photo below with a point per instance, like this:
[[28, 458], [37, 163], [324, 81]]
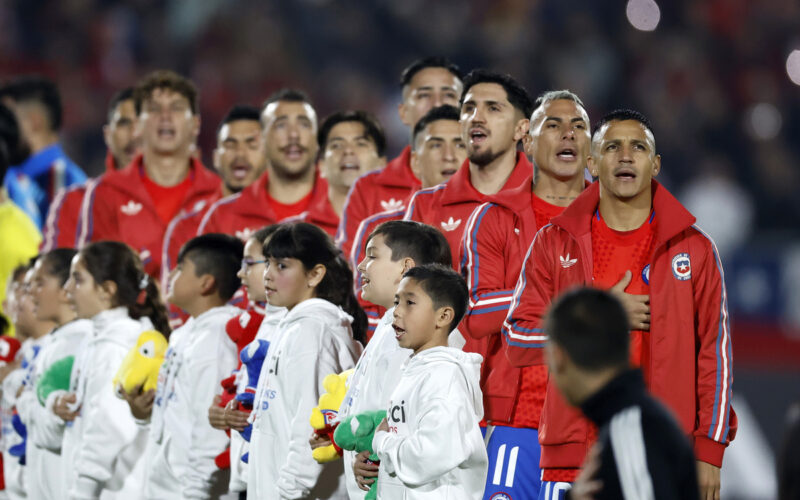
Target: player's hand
[[235, 418], [61, 407], [637, 307], [586, 486], [384, 426], [365, 472], [216, 415], [316, 441], [708, 480], [140, 403]]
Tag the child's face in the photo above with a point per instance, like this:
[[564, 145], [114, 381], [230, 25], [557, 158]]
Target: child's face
[[10, 302], [87, 297], [286, 282], [414, 317], [184, 284], [379, 274], [26, 317], [252, 271], [47, 293]]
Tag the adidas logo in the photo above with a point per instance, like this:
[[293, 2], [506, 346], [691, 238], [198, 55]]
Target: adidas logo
[[567, 262], [131, 208], [391, 204], [516, 230], [451, 224], [244, 234]]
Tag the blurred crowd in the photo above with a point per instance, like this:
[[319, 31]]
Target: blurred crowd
[[712, 75]]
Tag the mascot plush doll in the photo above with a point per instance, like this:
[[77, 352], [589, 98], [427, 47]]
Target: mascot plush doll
[[324, 417], [252, 358], [140, 366], [355, 433]]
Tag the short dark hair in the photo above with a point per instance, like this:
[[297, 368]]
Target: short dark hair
[[429, 62], [619, 115], [421, 242], [287, 94], [117, 99], [240, 112], [445, 287], [9, 141], [57, 263], [165, 79], [445, 112], [219, 255], [37, 88], [265, 232], [515, 92], [591, 326], [372, 127]]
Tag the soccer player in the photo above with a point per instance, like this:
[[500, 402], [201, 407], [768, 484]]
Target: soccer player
[[37, 105], [351, 144], [426, 83], [136, 204], [290, 184], [119, 133], [627, 234], [494, 118], [495, 241]]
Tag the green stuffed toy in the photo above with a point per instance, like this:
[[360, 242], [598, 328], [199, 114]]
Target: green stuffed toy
[[56, 378], [355, 433]]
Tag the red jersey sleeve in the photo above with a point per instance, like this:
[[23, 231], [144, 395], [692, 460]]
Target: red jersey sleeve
[[98, 220], [716, 420], [522, 329], [60, 230], [355, 210], [485, 247]]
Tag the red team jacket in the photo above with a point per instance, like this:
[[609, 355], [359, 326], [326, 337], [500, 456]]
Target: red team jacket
[[320, 213], [61, 227], [690, 363], [249, 210], [496, 238], [448, 205], [385, 189], [117, 206]]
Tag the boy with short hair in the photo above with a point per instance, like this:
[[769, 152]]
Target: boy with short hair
[[431, 446], [182, 444], [393, 248]]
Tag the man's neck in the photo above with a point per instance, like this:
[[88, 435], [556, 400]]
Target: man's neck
[[166, 170], [288, 190], [490, 178], [625, 214], [41, 141], [556, 191], [337, 198]]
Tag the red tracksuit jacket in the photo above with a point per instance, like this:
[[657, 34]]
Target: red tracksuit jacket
[[61, 227], [448, 205], [495, 240], [117, 206], [385, 189], [249, 210], [321, 214], [690, 364]]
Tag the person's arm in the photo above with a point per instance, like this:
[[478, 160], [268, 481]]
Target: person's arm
[[523, 334], [436, 446], [314, 357], [716, 420], [484, 266], [98, 217], [355, 210], [60, 228], [108, 428], [206, 441]]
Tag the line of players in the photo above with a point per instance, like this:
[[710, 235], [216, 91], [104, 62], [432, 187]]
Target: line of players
[[523, 226]]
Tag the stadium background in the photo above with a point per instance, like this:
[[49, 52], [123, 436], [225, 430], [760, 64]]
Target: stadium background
[[719, 79]]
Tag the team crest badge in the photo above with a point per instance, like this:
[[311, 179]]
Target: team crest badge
[[501, 496], [646, 274], [682, 267]]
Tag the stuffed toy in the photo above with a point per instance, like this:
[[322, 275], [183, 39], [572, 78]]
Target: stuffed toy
[[18, 450], [324, 417], [355, 433], [252, 358], [140, 366], [56, 378], [8, 349]]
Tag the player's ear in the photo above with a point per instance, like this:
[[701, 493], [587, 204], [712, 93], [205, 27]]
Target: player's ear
[[656, 165]]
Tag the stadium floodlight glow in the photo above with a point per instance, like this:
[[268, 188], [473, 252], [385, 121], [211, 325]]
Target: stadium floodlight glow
[[793, 66], [643, 15]]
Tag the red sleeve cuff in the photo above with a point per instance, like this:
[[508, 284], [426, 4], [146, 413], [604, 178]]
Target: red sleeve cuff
[[709, 451]]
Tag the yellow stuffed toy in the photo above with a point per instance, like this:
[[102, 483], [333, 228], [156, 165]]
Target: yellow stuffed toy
[[140, 366], [323, 417]]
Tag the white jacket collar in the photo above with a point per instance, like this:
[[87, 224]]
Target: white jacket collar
[[319, 309], [101, 320]]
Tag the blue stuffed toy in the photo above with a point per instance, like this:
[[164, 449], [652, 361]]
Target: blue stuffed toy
[[252, 358]]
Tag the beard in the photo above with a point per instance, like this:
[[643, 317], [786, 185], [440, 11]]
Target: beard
[[483, 157]]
